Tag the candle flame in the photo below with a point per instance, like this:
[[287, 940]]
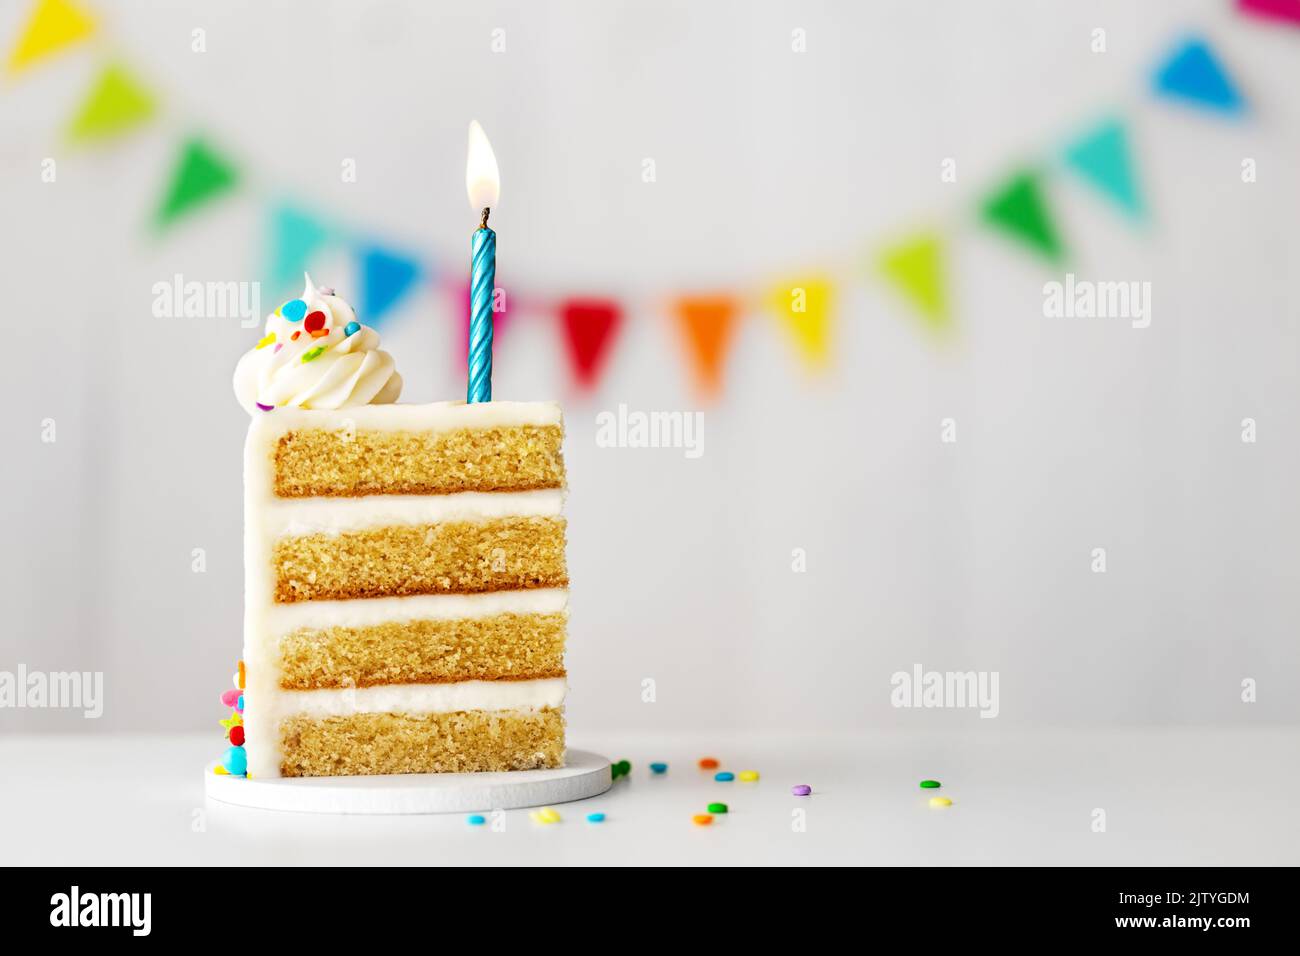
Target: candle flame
[[482, 179]]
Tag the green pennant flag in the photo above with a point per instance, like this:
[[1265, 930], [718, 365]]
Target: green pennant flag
[[115, 104], [201, 175], [1018, 208], [915, 267]]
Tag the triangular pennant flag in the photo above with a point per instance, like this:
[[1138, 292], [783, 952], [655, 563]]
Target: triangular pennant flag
[[805, 308], [1193, 74], [386, 276], [708, 324], [294, 237], [1287, 10], [1018, 208], [590, 327], [500, 319], [915, 266], [53, 25], [116, 104], [1103, 158], [200, 176]]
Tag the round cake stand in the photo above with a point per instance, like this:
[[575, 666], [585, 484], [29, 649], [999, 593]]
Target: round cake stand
[[584, 775]]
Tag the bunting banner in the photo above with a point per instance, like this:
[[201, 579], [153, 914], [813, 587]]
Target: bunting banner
[[707, 325], [116, 104], [201, 175], [804, 308], [915, 267], [54, 25], [1017, 208], [590, 327], [1193, 74], [294, 236], [386, 276], [1103, 159]]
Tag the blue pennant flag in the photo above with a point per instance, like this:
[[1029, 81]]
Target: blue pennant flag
[[385, 277], [294, 238], [1103, 158], [1193, 74]]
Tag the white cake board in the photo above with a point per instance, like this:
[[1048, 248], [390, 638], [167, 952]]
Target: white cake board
[[584, 775]]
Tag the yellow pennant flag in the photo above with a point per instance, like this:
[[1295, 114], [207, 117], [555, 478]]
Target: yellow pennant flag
[[54, 24], [805, 307], [915, 267], [117, 103]]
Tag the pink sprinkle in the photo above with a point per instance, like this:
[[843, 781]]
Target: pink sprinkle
[[278, 346], [230, 697]]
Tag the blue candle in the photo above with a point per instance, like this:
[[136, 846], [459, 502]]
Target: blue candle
[[483, 182], [482, 284]]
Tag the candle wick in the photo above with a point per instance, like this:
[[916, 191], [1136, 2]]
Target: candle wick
[[482, 223]]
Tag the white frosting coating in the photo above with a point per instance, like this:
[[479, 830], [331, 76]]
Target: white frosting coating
[[268, 517], [284, 618], [322, 367], [423, 698], [290, 517]]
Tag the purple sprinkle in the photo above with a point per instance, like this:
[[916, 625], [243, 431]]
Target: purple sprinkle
[[326, 290], [802, 790], [265, 408]]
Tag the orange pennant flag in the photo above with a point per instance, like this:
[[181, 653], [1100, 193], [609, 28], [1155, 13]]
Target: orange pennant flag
[[708, 324], [53, 25]]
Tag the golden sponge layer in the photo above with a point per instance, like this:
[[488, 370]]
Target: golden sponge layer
[[451, 557], [318, 462], [474, 740], [499, 647]]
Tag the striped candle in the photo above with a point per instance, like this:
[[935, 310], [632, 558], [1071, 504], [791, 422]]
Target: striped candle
[[483, 280]]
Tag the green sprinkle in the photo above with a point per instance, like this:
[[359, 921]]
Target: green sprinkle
[[930, 785], [310, 354], [717, 808]]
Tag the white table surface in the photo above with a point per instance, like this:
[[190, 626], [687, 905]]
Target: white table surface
[[1171, 797]]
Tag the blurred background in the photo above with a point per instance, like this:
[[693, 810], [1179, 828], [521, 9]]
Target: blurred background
[[671, 171]]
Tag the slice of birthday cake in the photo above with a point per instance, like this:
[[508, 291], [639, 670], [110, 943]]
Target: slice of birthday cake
[[405, 578]]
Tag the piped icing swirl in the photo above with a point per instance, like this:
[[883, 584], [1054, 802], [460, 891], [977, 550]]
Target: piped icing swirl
[[315, 354]]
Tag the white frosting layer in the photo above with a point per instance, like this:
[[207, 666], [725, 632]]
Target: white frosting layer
[[267, 517], [424, 698], [321, 358], [283, 618], [291, 517]]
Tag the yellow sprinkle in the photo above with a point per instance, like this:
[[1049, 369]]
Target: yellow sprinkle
[[748, 775], [221, 771], [268, 339], [545, 815], [940, 802]]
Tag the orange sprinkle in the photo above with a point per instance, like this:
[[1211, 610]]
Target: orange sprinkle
[[242, 675], [702, 819], [295, 335], [708, 763], [320, 333]]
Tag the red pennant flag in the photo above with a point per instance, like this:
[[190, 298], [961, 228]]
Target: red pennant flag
[[590, 326], [708, 324]]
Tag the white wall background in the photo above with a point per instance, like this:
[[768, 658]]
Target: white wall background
[[1072, 434]]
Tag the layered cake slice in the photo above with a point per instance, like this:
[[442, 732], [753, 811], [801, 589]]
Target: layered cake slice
[[406, 586]]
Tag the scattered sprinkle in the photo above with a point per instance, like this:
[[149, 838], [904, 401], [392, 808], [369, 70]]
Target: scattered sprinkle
[[264, 341], [930, 785], [294, 310], [266, 408], [352, 328], [237, 735], [229, 697], [545, 815], [940, 802], [724, 776], [294, 337], [236, 761], [314, 321], [310, 354], [476, 819], [243, 675], [220, 770], [659, 768], [278, 346], [320, 333], [239, 704], [708, 763], [749, 776], [717, 808], [595, 818], [702, 819], [801, 790], [620, 769]]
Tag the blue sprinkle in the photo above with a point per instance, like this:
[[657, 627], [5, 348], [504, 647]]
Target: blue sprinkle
[[724, 776], [294, 310], [476, 820], [239, 706], [236, 761], [352, 328], [595, 818], [659, 768]]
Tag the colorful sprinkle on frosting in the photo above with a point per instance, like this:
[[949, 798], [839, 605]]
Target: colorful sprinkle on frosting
[[352, 328], [266, 408], [264, 341], [294, 310], [315, 353], [314, 321]]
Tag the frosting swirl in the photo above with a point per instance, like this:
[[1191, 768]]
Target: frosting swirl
[[315, 354]]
